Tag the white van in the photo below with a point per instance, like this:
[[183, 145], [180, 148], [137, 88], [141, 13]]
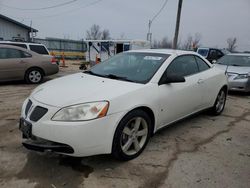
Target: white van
[[35, 47]]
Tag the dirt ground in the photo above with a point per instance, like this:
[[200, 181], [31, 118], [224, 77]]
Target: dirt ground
[[202, 151]]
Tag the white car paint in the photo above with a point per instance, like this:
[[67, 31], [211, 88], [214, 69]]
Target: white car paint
[[168, 102]]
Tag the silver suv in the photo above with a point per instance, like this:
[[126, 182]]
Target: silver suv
[[35, 47]]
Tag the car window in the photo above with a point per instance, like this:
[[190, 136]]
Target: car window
[[203, 52], [202, 65], [14, 44], [235, 60], [8, 53], [183, 66], [219, 53], [39, 49], [134, 66], [213, 54], [3, 53]]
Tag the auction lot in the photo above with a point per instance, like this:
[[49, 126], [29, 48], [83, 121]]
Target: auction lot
[[202, 151]]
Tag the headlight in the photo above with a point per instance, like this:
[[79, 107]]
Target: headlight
[[82, 112], [242, 76]]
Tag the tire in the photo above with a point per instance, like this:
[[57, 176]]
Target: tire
[[219, 103], [34, 76], [131, 135]]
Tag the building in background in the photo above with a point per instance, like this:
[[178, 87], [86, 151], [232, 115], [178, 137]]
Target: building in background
[[64, 48], [15, 31]]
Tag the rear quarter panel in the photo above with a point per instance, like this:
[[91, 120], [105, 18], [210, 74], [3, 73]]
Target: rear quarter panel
[[44, 63], [217, 79]]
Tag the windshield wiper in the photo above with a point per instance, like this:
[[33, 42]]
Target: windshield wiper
[[92, 73], [113, 76]]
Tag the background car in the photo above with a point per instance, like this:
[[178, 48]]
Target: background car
[[117, 105], [211, 54], [17, 63], [35, 47], [237, 68]]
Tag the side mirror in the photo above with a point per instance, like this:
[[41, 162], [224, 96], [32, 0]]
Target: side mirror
[[214, 61], [172, 79]]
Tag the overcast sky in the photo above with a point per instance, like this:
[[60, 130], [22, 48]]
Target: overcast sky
[[215, 20]]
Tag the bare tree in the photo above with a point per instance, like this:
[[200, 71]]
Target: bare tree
[[192, 42], [196, 41], [231, 44], [163, 43], [105, 34], [187, 45], [155, 44], [94, 33]]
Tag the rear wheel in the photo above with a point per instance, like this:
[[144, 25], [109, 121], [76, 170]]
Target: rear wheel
[[220, 102], [34, 76], [132, 135]]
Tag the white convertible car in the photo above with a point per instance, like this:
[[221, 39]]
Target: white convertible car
[[117, 105]]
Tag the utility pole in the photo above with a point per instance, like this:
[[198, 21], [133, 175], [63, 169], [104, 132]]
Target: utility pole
[[149, 34], [177, 24], [31, 31]]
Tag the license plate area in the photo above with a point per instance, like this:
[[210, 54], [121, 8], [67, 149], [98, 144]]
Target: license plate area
[[26, 128]]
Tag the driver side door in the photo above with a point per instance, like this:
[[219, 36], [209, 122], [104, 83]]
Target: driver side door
[[178, 100]]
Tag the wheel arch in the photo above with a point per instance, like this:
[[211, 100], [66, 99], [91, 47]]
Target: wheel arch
[[150, 113], [225, 87]]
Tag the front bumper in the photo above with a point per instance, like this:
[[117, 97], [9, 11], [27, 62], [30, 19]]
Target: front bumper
[[44, 145], [85, 138], [239, 85]]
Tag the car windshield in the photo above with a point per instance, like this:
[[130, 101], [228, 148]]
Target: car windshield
[[203, 52], [235, 60], [130, 66]]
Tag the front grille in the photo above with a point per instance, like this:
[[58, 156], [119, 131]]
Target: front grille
[[28, 107], [38, 113]]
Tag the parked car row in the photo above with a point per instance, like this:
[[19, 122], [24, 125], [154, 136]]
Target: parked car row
[[117, 105]]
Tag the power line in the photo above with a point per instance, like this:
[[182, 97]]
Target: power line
[[72, 10], [161, 9], [149, 34], [42, 8], [62, 13]]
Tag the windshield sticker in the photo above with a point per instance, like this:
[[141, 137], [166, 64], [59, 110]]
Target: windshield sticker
[[155, 58]]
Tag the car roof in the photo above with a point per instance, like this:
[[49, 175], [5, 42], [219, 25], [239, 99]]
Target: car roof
[[239, 54], [207, 48], [18, 42], [165, 51]]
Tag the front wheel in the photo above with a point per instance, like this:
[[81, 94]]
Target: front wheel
[[220, 102], [34, 76], [132, 135]]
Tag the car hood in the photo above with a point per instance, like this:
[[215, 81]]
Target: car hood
[[234, 69], [80, 88]]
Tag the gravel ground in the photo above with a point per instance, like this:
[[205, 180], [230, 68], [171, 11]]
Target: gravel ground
[[202, 151]]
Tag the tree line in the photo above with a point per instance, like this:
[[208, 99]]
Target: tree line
[[192, 42]]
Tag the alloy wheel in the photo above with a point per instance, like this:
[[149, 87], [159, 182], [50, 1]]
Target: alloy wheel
[[221, 98], [35, 76], [134, 136]]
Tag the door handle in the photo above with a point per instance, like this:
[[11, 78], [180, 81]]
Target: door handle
[[200, 81]]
